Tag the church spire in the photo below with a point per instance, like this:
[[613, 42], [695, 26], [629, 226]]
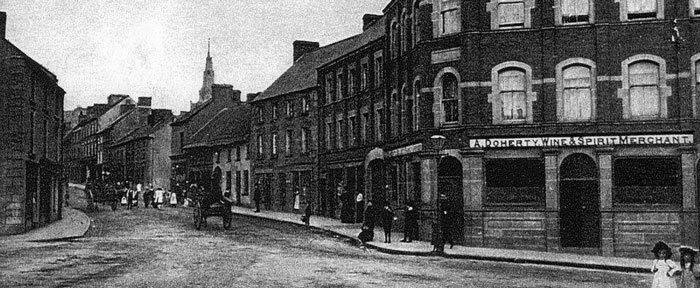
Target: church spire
[[208, 81]]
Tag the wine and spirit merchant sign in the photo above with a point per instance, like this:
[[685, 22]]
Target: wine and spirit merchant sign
[[572, 141]]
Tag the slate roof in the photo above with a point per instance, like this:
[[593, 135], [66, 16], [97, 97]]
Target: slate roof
[[302, 74], [230, 125], [141, 132]]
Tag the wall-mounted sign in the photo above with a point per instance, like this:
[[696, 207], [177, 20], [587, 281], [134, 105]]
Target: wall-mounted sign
[[627, 140]]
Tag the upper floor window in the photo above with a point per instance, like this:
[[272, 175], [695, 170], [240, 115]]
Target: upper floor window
[[288, 142], [352, 139], [364, 127], [449, 18], [228, 156], [260, 114], [327, 134], [274, 144], [576, 92], [304, 104], [364, 73], [340, 84], [573, 11], [408, 110], [416, 23], [511, 98], [405, 29], [339, 128], [304, 140], [379, 123], [510, 13], [352, 73], [450, 98], [641, 9], [695, 70], [394, 121], [274, 110], [416, 105], [644, 89], [395, 41], [329, 88], [378, 69], [694, 7], [238, 153], [288, 108], [260, 146]]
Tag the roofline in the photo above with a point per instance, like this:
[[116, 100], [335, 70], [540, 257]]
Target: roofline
[[336, 60], [288, 93], [34, 62]]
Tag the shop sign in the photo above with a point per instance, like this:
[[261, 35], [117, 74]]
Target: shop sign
[[406, 150], [628, 140]]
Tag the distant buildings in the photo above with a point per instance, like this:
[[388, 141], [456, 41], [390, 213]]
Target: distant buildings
[[31, 110]]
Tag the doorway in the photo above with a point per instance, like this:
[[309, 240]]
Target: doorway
[[579, 211], [450, 184]]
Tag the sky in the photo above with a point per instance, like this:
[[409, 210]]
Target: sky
[[158, 48]]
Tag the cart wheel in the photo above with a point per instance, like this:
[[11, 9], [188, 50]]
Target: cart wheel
[[227, 220], [197, 216]]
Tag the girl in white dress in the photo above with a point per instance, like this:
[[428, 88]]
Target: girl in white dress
[[173, 199], [663, 267]]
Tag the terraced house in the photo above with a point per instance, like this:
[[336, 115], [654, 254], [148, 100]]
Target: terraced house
[[569, 125]]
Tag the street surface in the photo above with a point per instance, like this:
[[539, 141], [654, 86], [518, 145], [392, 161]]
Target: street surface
[[161, 248]]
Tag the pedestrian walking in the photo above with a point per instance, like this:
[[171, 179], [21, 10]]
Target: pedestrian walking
[[297, 200], [158, 197], [410, 228], [173, 199], [387, 221], [359, 207], [306, 217], [689, 273], [367, 233], [663, 267], [257, 195], [129, 198]]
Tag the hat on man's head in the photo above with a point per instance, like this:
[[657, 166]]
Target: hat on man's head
[[688, 250], [660, 246]]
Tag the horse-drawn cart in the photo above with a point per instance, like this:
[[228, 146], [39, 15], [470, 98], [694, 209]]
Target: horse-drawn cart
[[205, 207], [102, 193]]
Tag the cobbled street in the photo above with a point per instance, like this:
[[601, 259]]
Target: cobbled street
[[161, 248]]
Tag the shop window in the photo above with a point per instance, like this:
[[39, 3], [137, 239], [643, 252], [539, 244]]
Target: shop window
[[246, 179], [576, 90], [654, 180], [507, 14], [238, 183], [511, 98], [644, 91], [515, 182], [641, 9], [574, 11], [238, 153], [228, 180]]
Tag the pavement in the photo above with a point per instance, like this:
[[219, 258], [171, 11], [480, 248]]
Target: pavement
[[75, 224], [423, 248]]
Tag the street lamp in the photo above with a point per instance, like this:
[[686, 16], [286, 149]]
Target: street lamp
[[436, 143]]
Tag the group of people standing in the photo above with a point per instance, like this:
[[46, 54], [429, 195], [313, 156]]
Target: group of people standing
[[667, 274], [153, 197]]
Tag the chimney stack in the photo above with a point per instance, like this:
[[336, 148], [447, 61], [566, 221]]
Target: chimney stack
[[303, 47], [369, 19], [144, 102], [114, 98], [3, 24]]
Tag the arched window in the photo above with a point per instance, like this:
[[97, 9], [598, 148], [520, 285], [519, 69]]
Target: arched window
[[644, 89], [416, 105], [511, 84], [395, 106], [403, 34], [450, 98], [407, 110], [394, 41], [577, 93], [416, 22]]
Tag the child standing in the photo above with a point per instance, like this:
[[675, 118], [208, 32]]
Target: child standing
[[688, 270], [663, 267]]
